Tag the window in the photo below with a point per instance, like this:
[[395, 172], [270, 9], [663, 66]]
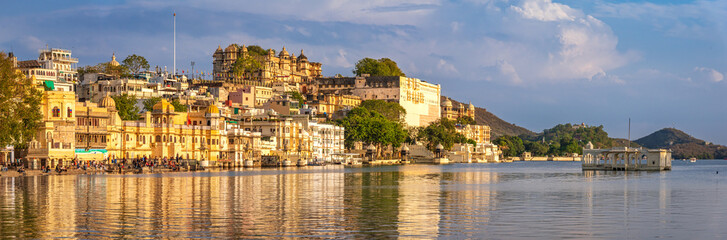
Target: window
[[70, 112], [56, 112]]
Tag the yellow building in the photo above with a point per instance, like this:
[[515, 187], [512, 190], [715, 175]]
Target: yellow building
[[55, 142], [453, 111], [419, 98], [164, 133], [92, 123], [285, 67], [479, 133]]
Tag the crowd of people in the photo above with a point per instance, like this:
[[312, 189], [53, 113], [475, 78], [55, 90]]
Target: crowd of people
[[108, 165]]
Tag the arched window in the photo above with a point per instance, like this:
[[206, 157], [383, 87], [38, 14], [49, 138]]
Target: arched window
[[165, 138], [56, 112], [158, 138], [70, 112]]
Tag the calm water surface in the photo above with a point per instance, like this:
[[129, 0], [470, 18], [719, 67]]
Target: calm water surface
[[495, 201]]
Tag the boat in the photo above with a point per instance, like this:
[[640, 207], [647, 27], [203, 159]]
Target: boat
[[693, 160], [302, 163], [288, 163], [317, 163]]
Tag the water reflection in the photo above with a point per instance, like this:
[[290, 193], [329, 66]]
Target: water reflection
[[414, 201]]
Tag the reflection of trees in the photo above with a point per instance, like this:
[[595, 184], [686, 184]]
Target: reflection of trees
[[372, 203]]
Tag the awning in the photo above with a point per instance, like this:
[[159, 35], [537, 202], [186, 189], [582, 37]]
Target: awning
[[50, 85]]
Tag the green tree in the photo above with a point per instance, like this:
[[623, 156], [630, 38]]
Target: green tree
[[391, 110], [20, 115], [149, 103], [295, 95], [371, 127], [126, 106], [464, 120], [135, 63], [511, 146], [381, 67], [256, 50], [442, 132], [246, 64], [178, 106], [536, 148]]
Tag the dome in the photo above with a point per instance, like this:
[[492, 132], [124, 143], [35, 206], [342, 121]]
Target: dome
[[231, 48], [219, 48], [163, 106], [405, 148], [212, 109], [447, 103], [107, 102], [472, 107], [284, 52], [302, 56], [244, 49], [113, 60], [439, 146]]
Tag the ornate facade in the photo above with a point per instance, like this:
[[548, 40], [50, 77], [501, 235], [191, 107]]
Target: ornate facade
[[284, 67], [453, 111]]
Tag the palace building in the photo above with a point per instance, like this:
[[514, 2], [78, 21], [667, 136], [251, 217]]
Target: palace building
[[419, 98], [453, 111], [284, 67]]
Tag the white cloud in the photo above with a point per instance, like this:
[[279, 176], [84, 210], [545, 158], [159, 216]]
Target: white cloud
[[446, 67], [707, 74], [551, 42], [545, 10], [341, 60], [406, 12]]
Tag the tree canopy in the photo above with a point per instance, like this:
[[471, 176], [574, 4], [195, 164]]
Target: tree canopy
[[246, 64], [381, 67], [465, 120], [296, 96], [370, 127], [511, 146], [150, 102], [442, 131], [178, 106], [391, 110], [119, 71], [257, 50], [126, 106], [135, 63], [20, 115]]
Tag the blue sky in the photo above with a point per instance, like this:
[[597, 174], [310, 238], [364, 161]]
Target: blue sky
[[535, 63]]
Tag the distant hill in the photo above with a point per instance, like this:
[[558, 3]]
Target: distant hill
[[667, 137], [682, 145], [498, 126]]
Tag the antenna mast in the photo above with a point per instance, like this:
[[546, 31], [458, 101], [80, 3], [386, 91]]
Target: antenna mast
[[629, 142], [174, 71]]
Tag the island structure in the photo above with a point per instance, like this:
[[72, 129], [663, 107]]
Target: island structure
[[626, 159]]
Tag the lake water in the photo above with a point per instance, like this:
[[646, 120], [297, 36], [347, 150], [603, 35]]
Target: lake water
[[541, 200]]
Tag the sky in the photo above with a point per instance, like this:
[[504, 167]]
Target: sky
[[534, 63]]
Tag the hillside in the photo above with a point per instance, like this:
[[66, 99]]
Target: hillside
[[666, 138], [682, 145], [499, 127]]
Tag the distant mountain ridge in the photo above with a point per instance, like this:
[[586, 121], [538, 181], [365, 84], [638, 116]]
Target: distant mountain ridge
[[498, 126], [666, 138], [682, 144]]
